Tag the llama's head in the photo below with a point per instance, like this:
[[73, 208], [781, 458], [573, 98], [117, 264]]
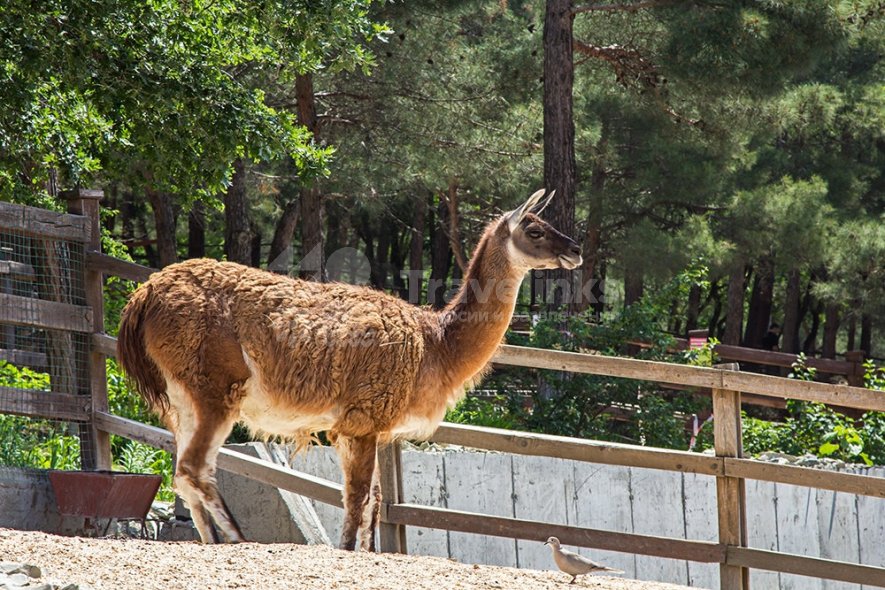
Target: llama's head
[[533, 243]]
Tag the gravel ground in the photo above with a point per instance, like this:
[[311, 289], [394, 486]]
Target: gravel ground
[[127, 564]]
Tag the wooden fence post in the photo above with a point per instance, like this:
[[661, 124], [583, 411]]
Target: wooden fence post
[[96, 452], [392, 537], [856, 372], [731, 497]]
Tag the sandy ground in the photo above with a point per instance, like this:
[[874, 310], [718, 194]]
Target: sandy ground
[[126, 564]]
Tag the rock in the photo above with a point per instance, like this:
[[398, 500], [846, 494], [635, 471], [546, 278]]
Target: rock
[[17, 580], [32, 571]]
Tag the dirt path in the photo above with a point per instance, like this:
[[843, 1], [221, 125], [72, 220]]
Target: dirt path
[[125, 564]]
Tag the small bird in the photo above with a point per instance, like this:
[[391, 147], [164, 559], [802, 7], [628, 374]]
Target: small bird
[[574, 564]]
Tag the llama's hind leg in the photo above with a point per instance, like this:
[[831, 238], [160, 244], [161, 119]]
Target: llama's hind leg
[[358, 456], [372, 512], [195, 481], [199, 433]]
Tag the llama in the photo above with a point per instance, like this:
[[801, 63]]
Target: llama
[[209, 344]]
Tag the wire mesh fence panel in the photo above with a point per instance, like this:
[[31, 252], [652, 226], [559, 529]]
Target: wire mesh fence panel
[[45, 330]]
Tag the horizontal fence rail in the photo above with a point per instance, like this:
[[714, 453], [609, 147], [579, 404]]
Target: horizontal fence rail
[[707, 377]]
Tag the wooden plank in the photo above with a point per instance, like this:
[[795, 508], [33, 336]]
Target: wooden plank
[[730, 499], [96, 453], [43, 404], [263, 471], [762, 532], [424, 482], [38, 313], [542, 487], [807, 567], [658, 509], [42, 223], [391, 537], [143, 433], [17, 271], [806, 476], [108, 265], [699, 493], [500, 526], [838, 530], [481, 483], [797, 531], [26, 358], [602, 499], [546, 445], [557, 360], [104, 344], [778, 359], [837, 395], [323, 462], [834, 395]]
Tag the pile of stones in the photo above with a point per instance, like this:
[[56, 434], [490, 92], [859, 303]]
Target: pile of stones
[[24, 576]]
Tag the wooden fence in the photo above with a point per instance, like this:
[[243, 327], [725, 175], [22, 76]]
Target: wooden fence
[[728, 465]]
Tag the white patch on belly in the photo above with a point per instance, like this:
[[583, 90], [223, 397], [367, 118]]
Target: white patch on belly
[[262, 412], [418, 427]]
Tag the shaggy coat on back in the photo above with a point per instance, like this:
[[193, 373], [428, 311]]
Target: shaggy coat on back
[[212, 343]]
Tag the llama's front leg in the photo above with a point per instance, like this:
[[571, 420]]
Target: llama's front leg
[[358, 456]]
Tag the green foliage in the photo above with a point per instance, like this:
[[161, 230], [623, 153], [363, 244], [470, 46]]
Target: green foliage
[[135, 457], [800, 369], [493, 413], [704, 356], [159, 94], [814, 428]]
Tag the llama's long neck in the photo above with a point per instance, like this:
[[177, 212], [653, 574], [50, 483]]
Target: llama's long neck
[[473, 324]]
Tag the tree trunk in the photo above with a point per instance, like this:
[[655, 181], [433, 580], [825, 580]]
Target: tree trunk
[[164, 221], [713, 327], [866, 334], [809, 346], [451, 199], [633, 286], [279, 258], [852, 333], [255, 247], [831, 330], [237, 229], [559, 129], [694, 307], [759, 315], [589, 286], [313, 263], [128, 218], [416, 244], [734, 313], [196, 231], [790, 332], [440, 257]]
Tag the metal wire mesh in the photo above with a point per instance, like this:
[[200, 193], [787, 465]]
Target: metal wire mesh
[[44, 350]]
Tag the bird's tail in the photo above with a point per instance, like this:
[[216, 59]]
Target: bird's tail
[[611, 570]]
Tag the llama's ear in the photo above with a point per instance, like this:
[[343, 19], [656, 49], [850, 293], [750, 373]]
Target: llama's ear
[[515, 216], [540, 209]]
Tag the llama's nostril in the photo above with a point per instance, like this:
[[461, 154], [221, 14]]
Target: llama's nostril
[[576, 250]]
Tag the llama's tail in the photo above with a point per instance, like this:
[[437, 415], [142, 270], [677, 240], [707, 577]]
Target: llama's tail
[[132, 353]]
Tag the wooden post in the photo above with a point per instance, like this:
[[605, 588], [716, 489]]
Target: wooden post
[[95, 444], [730, 491], [392, 537], [855, 372]]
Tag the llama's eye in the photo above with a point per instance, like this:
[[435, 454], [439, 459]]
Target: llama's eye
[[536, 234]]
